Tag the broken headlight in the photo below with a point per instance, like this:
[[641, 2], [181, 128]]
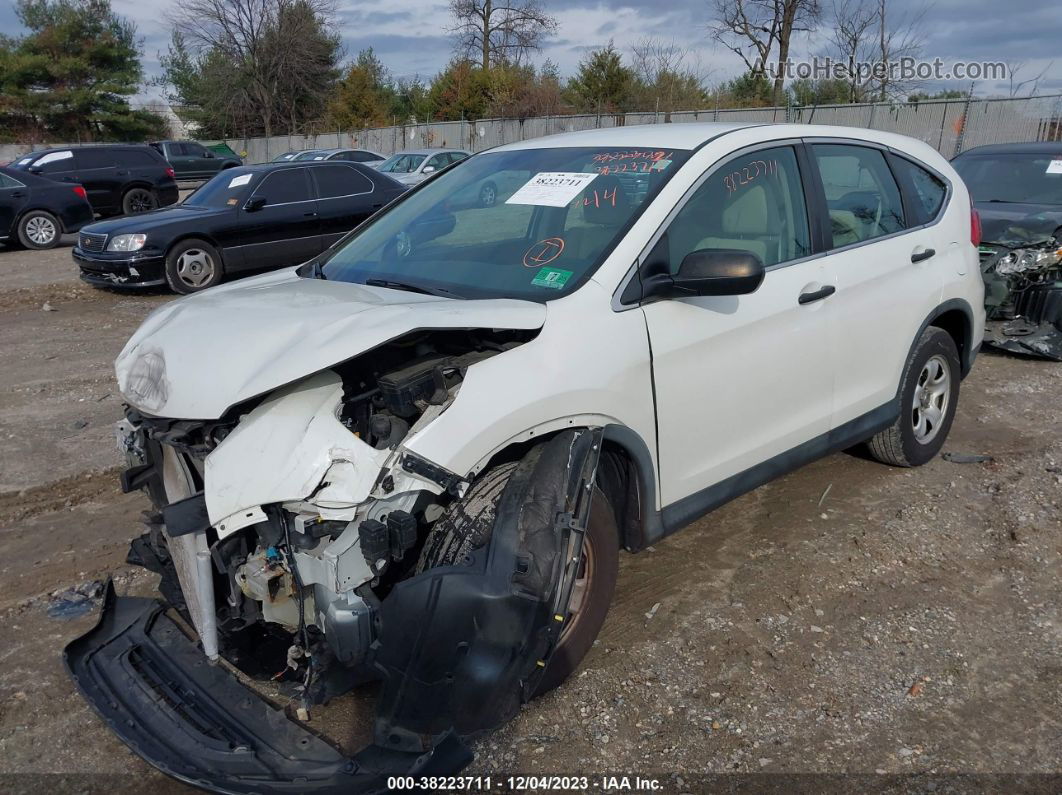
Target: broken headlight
[[1021, 260], [146, 386]]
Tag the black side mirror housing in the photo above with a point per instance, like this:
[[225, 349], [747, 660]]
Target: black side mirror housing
[[708, 272], [254, 204]]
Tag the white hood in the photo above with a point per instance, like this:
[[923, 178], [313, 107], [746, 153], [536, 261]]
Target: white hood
[[198, 356]]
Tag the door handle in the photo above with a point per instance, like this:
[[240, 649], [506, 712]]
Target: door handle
[[817, 295], [309, 215], [377, 206], [18, 195], [922, 256]]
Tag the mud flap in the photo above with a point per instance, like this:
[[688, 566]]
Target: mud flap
[[461, 647], [196, 722]]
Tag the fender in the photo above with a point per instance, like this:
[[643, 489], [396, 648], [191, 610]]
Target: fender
[[967, 350]]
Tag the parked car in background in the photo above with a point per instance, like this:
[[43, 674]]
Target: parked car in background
[[118, 178], [350, 155], [192, 160], [247, 218], [37, 212], [415, 165], [284, 158], [1017, 189]]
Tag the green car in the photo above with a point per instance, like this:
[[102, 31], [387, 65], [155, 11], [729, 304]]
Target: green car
[[191, 160]]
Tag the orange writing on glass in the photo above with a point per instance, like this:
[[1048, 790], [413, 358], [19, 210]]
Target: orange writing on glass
[[749, 173], [543, 252]]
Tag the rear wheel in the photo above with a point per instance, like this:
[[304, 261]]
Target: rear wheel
[[39, 229], [929, 396], [467, 525], [138, 200], [193, 265]]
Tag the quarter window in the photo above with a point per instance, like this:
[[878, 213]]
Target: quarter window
[[285, 187], [753, 203], [927, 190], [861, 195], [335, 181]]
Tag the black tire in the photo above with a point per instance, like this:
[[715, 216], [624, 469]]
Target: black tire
[[468, 524], [902, 444], [139, 200], [184, 276], [39, 229], [488, 195]]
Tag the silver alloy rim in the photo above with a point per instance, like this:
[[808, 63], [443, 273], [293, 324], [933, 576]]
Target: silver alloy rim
[[932, 394], [40, 230], [488, 196], [195, 267], [141, 202]]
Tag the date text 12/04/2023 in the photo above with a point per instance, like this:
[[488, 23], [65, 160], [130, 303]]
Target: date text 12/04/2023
[[555, 783]]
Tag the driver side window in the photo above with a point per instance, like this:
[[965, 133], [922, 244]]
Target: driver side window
[[861, 194], [754, 202]]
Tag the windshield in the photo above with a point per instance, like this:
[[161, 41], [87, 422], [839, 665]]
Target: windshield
[[316, 154], [530, 223], [227, 189], [401, 164], [1017, 178]]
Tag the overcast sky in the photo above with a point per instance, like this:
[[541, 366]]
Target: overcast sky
[[411, 38]]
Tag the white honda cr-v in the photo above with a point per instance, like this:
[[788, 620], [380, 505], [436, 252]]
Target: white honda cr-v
[[415, 458]]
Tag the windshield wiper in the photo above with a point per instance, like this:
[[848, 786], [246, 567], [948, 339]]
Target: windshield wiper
[[411, 288]]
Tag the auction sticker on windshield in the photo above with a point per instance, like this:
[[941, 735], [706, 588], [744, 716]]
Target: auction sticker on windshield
[[243, 179], [551, 188], [1055, 166], [553, 278]]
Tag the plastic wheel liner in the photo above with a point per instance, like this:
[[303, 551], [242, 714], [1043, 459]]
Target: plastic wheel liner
[[459, 649]]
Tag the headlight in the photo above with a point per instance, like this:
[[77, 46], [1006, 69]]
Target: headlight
[[1026, 259], [127, 243], [145, 384]]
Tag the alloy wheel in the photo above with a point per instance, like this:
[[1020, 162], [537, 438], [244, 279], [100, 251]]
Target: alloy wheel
[[41, 230], [932, 395], [195, 268]]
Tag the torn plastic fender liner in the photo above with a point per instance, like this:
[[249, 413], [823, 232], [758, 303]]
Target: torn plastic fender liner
[[460, 647], [196, 722]]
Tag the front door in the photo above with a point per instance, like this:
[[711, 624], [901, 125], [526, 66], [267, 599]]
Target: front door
[[286, 230], [741, 380]]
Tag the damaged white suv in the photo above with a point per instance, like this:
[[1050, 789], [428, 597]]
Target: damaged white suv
[[414, 459]]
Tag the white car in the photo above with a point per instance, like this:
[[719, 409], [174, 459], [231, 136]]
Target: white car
[[415, 458], [413, 166]]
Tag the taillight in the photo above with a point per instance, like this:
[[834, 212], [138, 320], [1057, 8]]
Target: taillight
[[975, 227], [80, 191], [171, 173]]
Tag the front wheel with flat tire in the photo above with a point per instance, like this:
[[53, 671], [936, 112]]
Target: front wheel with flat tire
[[138, 200], [929, 396], [39, 229], [467, 525], [193, 265]]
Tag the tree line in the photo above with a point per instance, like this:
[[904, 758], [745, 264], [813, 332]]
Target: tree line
[[242, 68]]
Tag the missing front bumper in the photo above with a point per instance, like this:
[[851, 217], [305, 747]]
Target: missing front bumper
[[196, 722]]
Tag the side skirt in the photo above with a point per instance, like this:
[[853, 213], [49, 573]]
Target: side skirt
[[687, 510]]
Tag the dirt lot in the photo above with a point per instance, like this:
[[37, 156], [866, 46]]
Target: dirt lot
[[847, 619]]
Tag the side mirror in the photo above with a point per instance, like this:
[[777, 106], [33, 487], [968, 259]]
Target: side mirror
[[428, 169], [35, 169], [709, 272], [254, 204]]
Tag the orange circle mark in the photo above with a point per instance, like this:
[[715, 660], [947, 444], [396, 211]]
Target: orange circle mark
[[543, 252]]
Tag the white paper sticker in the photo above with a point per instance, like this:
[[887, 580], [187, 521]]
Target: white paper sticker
[[1054, 167], [25, 160], [552, 188], [51, 157], [243, 179]]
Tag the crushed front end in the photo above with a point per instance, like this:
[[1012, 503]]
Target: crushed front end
[[288, 538], [1023, 296]]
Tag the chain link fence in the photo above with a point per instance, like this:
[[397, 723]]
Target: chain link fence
[[950, 126]]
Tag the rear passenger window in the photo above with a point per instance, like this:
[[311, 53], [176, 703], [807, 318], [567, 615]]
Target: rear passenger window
[[335, 181], [95, 158], [285, 187], [135, 159], [754, 203], [928, 191], [861, 194]]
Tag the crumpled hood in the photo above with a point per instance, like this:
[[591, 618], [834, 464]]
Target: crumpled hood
[[196, 357], [1017, 224]]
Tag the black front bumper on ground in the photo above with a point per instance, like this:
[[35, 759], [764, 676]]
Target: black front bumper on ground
[[196, 722], [110, 270]]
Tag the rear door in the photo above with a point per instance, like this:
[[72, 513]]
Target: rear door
[[886, 271], [182, 161], [100, 174], [286, 230], [345, 198], [12, 196], [741, 381]]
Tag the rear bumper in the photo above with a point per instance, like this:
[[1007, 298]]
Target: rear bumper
[[120, 271], [196, 722]]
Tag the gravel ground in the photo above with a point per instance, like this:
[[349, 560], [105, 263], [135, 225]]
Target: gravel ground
[[849, 620]]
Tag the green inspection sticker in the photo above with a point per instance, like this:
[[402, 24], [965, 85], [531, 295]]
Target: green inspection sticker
[[553, 278]]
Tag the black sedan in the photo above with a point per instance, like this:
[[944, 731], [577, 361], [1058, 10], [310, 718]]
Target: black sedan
[[244, 219], [36, 211]]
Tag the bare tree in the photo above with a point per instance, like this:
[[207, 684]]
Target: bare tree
[[671, 75], [281, 53], [500, 31], [852, 41], [756, 29], [1033, 83], [902, 38]]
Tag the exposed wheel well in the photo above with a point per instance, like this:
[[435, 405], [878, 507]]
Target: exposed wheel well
[[957, 324]]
